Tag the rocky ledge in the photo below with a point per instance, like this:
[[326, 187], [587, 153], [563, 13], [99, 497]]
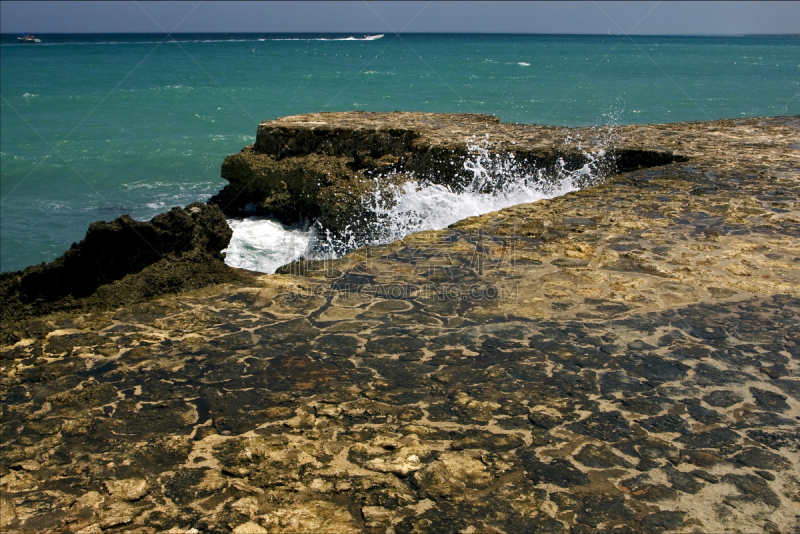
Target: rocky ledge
[[122, 262], [621, 359], [326, 166]]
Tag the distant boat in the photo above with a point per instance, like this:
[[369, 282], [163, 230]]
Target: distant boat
[[372, 37], [28, 38]]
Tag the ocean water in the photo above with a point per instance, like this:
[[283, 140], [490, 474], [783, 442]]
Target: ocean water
[[96, 126]]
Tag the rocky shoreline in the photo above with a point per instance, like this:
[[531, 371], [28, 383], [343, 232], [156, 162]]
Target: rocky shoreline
[[620, 359]]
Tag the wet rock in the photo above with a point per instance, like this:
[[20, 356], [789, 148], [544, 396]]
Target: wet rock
[[762, 459], [775, 440], [642, 487], [681, 481], [662, 521], [646, 405], [752, 489], [656, 369], [768, 400], [665, 423], [597, 509], [705, 416], [605, 426], [715, 438], [559, 472], [175, 251], [723, 398], [600, 457]]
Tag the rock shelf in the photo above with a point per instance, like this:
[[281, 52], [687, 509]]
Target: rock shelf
[[625, 358], [324, 166]]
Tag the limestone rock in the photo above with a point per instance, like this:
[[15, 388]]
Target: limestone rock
[[317, 517], [403, 461], [130, 489]]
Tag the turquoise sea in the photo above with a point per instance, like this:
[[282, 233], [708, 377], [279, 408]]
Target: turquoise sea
[[93, 126]]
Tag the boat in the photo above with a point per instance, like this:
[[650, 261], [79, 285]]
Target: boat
[[28, 38], [372, 37]]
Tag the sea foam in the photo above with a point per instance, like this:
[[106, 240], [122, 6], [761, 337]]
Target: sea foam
[[261, 244]]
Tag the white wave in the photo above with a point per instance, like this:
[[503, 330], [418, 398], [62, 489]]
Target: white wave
[[261, 244], [497, 182], [365, 38], [524, 64]]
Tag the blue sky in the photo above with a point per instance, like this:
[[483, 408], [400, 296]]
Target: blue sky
[[642, 18]]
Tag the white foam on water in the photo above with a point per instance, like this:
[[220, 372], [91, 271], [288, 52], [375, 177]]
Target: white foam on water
[[261, 244]]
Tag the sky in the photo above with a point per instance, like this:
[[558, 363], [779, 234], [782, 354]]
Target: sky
[[638, 18]]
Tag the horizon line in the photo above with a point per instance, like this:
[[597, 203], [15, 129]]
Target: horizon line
[[376, 32]]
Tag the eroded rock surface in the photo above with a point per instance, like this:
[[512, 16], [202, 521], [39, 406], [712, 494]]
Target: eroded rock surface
[[620, 359], [326, 166]]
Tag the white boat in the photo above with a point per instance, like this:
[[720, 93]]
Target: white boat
[[28, 38], [372, 37]]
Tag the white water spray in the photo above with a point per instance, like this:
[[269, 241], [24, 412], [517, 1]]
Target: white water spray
[[497, 182]]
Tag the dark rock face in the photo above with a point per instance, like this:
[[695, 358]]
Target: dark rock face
[[176, 250]]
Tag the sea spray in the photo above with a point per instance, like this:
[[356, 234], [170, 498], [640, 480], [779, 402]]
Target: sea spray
[[391, 213], [262, 244]]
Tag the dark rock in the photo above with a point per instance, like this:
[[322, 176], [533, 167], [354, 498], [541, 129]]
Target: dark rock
[[664, 423], [777, 439], [753, 489], [723, 398], [559, 472], [790, 387], [544, 420], [708, 375], [681, 481], [655, 368], [646, 405], [775, 371], [769, 401], [613, 381], [605, 426], [702, 458], [662, 521], [715, 438], [766, 475], [705, 475], [175, 251], [762, 459], [648, 448], [600, 457], [597, 509], [564, 500], [639, 345], [705, 416]]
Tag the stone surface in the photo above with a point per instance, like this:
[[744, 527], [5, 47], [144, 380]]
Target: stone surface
[[537, 395]]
